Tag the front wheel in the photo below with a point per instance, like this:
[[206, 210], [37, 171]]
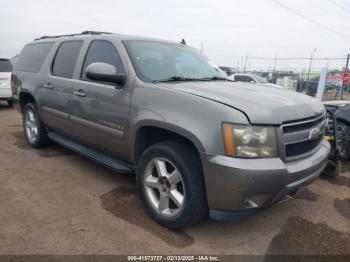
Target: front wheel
[[171, 184], [345, 147], [333, 169]]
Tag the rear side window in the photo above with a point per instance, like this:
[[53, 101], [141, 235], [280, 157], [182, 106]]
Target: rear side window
[[102, 51], [5, 65], [66, 58], [33, 56]]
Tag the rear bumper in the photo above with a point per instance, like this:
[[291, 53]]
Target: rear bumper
[[239, 187], [5, 93]]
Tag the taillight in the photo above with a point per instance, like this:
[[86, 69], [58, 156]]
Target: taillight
[[13, 86]]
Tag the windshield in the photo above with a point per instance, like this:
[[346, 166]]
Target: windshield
[[260, 79], [5, 65], [157, 61]]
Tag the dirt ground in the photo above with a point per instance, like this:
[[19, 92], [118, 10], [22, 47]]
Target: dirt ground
[[53, 201]]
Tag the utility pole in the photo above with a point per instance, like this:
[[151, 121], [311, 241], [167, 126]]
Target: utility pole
[[309, 71], [245, 63], [202, 47], [274, 66], [302, 81], [342, 83]]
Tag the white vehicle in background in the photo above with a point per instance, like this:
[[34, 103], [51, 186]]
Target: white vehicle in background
[[5, 80], [251, 78]]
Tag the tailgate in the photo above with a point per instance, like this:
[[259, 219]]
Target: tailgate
[[5, 80]]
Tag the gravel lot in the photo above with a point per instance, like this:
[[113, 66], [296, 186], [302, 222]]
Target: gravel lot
[[53, 201]]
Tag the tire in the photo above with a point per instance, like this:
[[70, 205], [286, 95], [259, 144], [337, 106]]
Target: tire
[[345, 148], [180, 157], [10, 103], [333, 170], [33, 127]]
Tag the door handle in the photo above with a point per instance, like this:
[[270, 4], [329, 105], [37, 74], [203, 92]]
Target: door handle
[[48, 86], [79, 93]]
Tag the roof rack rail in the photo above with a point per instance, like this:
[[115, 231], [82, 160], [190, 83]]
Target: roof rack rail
[[82, 33]]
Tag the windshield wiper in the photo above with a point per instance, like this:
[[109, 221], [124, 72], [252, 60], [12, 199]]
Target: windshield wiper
[[176, 78], [181, 78]]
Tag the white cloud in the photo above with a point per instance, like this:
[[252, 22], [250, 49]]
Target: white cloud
[[229, 29]]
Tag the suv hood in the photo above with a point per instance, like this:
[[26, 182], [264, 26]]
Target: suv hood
[[261, 104]]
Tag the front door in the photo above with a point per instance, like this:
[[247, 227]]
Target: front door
[[100, 111]]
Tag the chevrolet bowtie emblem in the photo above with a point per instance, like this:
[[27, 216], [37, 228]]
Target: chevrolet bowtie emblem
[[315, 134]]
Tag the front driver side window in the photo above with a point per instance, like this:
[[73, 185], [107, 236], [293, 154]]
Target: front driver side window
[[102, 51]]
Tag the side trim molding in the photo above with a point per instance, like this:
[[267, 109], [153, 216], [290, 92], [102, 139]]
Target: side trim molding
[[55, 112], [107, 130]]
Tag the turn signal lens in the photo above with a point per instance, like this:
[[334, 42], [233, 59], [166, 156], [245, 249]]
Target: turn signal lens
[[228, 139]]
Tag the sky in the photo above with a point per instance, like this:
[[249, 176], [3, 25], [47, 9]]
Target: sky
[[230, 30]]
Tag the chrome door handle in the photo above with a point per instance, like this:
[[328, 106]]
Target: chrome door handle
[[77, 93], [48, 86]]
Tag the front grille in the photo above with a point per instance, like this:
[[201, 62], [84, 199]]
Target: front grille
[[297, 136], [302, 147], [307, 124]]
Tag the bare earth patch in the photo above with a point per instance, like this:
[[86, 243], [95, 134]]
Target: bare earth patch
[[307, 194], [343, 207], [125, 203], [302, 237]]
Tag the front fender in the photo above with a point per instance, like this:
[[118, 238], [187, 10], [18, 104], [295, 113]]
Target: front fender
[[168, 127]]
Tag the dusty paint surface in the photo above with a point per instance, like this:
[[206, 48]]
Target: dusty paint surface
[[55, 202]]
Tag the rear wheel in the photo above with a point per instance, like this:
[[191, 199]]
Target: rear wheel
[[171, 185], [34, 129], [10, 103]]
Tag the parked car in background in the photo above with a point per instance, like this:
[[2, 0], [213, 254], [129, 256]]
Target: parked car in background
[[272, 76], [341, 111], [228, 70], [198, 143], [251, 78], [5, 80]]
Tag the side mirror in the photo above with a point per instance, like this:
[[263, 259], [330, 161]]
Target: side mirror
[[105, 73]]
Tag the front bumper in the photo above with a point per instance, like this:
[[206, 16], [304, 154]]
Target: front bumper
[[242, 186]]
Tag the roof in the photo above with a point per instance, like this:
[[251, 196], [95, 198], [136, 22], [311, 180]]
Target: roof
[[103, 35]]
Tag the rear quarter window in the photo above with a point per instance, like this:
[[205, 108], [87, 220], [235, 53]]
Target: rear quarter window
[[33, 56], [5, 65]]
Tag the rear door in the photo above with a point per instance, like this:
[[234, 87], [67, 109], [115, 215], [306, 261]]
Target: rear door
[[5, 76], [100, 111], [59, 86]]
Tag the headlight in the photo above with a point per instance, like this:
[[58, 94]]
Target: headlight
[[247, 141]]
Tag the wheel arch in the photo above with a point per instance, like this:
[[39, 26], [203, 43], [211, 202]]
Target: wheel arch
[[345, 121], [24, 98], [150, 132]]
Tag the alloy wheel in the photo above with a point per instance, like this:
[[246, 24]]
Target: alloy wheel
[[164, 187], [31, 127]]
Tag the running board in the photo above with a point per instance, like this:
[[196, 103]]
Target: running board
[[101, 158]]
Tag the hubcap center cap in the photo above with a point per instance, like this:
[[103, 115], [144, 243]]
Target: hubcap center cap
[[164, 184]]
